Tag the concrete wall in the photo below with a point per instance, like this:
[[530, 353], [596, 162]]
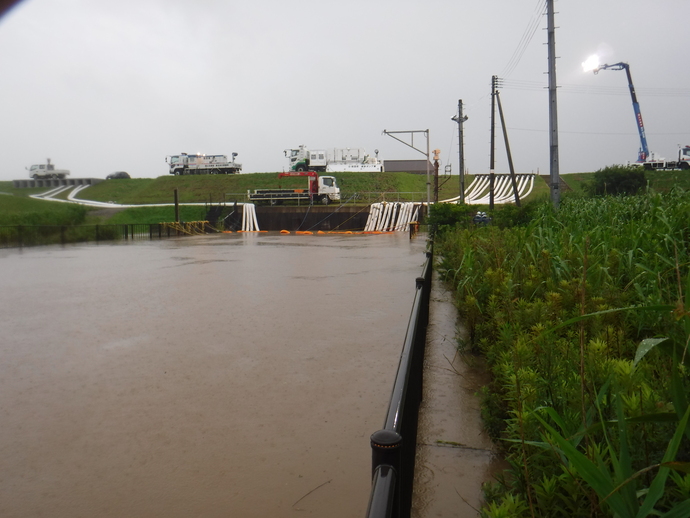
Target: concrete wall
[[54, 182], [314, 218]]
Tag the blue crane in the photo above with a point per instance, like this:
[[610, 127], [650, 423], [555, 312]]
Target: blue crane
[[643, 154]]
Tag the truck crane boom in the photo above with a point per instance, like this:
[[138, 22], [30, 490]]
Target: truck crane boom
[[643, 154], [313, 179]]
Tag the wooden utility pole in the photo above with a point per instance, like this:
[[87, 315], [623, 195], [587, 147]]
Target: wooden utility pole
[[553, 109], [510, 156]]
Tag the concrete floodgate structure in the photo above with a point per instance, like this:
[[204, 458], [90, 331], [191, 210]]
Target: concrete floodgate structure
[[455, 456], [379, 217]]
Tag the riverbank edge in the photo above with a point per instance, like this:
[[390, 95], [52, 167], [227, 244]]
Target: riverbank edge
[[455, 455]]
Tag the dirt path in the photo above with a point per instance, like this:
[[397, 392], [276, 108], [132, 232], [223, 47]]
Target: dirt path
[[454, 454]]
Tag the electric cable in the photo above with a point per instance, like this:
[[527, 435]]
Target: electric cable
[[513, 84], [336, 210], [526, 39]]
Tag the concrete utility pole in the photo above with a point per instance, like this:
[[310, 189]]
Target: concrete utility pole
[[553, 108], [459, 118], [437, 152], [492, 160]]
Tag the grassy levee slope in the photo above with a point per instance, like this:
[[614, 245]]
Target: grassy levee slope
[[203, 188], [216, 188], [22, 210]]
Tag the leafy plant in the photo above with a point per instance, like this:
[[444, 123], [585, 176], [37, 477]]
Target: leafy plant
[[604, 276]]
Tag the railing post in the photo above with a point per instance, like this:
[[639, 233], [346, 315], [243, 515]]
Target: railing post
[[386, 451]]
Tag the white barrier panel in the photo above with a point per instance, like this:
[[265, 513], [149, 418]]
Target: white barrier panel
[[391, 216], [478, 192]]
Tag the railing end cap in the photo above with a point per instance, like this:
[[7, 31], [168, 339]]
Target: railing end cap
[[386, 439]]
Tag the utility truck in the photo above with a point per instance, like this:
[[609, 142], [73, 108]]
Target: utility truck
[[321, 189], [333, 160], [654, 162], [644, 158], [47, 170], [202, 164]]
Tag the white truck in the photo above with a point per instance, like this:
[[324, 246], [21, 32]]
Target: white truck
[[202, 164], [47, 170], [321, 189], [654, 162], [333, 160]]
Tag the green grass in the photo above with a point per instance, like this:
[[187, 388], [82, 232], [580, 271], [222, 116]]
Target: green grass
[[216, 188], [204, 188], [150, 215], [16, 210]]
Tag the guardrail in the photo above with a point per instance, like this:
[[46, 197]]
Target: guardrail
[[357, 197], [16, 236], [394, 446]]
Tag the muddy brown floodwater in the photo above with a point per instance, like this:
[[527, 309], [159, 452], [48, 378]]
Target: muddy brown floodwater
[[226, 375]]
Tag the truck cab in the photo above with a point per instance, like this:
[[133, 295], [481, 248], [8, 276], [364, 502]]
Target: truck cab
[[304, 160], [328, 188], [684, 157]]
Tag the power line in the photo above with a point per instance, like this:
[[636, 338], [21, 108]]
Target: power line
[[524, 42], [598, 133], [512, 84]]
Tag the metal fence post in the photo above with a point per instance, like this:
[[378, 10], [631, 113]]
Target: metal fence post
[[386, 452]]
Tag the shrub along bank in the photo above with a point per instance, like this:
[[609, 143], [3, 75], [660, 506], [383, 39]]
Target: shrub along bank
[[583, 315]]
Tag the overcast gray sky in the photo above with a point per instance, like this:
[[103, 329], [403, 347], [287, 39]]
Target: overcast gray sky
[[102, 86]]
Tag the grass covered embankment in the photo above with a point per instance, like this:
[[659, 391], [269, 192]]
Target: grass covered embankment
[[218, 188], [215, 188], [583, 316], [21, 210]]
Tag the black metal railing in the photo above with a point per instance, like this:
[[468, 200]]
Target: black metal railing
[[15, 236], [394, 446]]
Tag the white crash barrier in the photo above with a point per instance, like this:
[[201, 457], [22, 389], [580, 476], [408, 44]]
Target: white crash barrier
[[391, 216]]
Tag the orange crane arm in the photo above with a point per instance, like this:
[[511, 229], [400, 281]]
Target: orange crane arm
[[313, 177]]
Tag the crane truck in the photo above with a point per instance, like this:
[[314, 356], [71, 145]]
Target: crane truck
[[644, 158], [202, 164], [47, 170], [323, 189], [335, 160]]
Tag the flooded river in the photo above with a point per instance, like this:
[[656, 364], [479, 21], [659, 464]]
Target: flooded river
[[233, 375]]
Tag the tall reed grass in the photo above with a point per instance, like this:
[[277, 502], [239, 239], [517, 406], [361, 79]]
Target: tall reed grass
[[563, 310]]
